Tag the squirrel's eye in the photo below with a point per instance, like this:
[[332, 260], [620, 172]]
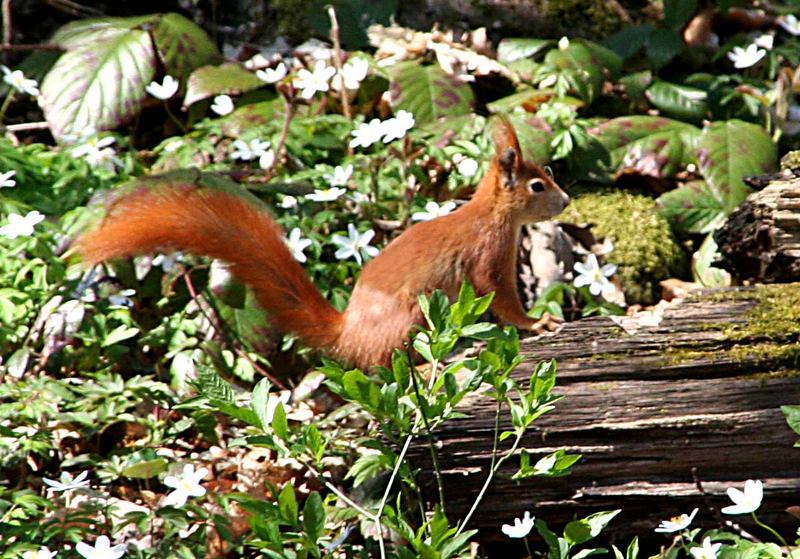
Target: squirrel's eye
[[537, 185], [549, 171]]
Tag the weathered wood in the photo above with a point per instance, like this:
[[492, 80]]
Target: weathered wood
[[759, 241], [700, 390]]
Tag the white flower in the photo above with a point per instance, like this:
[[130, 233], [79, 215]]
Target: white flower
[[297, 244], [395, 128], [340, 175], [746, 57], [123, 298], [521, 528], [310, 82], [105, 158], [223, 105], [102, 549], [563, 43], [326, 195], [790, 24], [19, 226], [765, 41], [163, 90], [594, 276], [247, 151], [92, 145], [353, 72], [288, 202], [272, 75], [167, 261], [355, 245], [747, 501], [6, 181], [18, 81], [676, 523], [185, 485], [367, 133], [267, 160], [66, 482], [707, 551], [433, 210], [467, 167], [41, 553]]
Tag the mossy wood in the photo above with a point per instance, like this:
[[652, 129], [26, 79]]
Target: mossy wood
[[760, 241], [702, 390]]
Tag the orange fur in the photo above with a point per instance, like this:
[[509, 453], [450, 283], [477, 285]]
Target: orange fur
[[477, 242]]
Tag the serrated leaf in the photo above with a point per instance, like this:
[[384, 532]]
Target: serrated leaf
[[228, 78], [730, 150], [85, 89], [679, 101], [428, 92], [509, 50]]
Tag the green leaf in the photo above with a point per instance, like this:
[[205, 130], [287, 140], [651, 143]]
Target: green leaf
[[279, 422], [260, 402], [228, 78], [84, 88], [361, 389], [792, 415], [457, 546], [647, 145], [730, 150], [534, 140], [581, 531], [287, 504], [119, 334], [678, 12], [213, 386], [703, 269], [679, 101], [582, 69], [693, 208], [428, 92], [314, 517], [509, 50], [182, 45], [147, 469], [663, 45]]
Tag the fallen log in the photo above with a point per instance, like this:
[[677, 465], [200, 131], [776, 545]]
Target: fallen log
[[700, 392]]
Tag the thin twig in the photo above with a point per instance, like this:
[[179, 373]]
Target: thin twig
[[25, 126], [37, 46], [288, 110], [217, 322], [7, 31], [337, 62]]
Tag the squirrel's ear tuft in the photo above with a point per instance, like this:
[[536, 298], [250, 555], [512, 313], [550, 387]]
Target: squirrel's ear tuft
[[507, 161], [505, 137]]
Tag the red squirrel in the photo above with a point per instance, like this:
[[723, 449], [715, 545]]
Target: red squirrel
[[477, 242]]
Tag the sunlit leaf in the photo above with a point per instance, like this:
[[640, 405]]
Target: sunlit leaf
[[428, 92], [228, 78]]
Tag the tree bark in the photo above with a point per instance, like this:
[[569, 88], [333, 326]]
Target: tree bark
[[699, 392], [760, 241]]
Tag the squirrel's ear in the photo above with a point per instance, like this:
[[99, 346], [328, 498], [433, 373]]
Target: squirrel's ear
[[508, 151]]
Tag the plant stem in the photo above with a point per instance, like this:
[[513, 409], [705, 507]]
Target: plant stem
[[495, 467], [774, 533], [6, 103], [174, 119], [337, 62]]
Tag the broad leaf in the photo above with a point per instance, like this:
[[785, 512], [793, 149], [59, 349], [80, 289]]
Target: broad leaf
[[513, 49], [703, 270], [729, 151], [534, 138], [582, 68], [314, 517], [209, 81], [85, 90], [146, 469], [679, 101], [693, 208], [428, 92], [651, 146]]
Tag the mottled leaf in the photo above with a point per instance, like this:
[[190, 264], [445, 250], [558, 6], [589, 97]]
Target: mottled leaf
[[428, 92], [730, 150], [647, 145], [534, 138], [98, 83], [209, 81], [528, 98], [693, 208], [513, 49], [679, 101], [182, 46], [253, 115], [582, 69]]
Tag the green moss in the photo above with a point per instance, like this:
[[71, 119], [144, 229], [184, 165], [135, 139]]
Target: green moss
[[790, 161], [594, 18], [776, 315], [645, 249]]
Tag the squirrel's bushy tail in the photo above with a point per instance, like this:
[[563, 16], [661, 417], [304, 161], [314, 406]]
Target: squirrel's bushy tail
[[226, 226]]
